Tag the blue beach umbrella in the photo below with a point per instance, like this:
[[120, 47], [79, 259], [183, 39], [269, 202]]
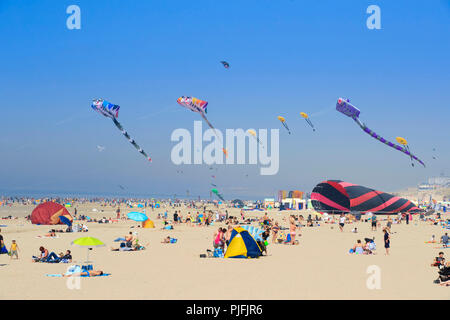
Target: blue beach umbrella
[[137, 216]]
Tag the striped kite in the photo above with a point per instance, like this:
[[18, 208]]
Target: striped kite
[[110, 110], [335, 196]]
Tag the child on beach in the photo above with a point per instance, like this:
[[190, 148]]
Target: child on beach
[[14, 249]]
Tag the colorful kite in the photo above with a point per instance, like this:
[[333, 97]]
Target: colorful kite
[[351, 111], [283, 121], [306, 117], [217, 194], [110, 110], [253, 133], [225, 64], [199, 106]]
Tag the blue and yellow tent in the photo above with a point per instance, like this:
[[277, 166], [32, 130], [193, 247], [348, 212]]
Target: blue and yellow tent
[[242, 245]]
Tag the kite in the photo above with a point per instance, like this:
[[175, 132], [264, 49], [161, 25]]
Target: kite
[[217, 194], [110, 110], [404, 143], [195, 105], [199, 106], [434, 150], [253, 133], [121, 187], [306, 117], [225, 64], [337, 196], [283, 121], [351, 111], [100, 148]]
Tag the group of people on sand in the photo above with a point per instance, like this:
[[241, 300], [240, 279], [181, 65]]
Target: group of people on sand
[[13, 251], [368, 247], [52, 257], [443, 270], [129, 243]]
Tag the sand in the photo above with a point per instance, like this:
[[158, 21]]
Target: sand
[[319, 268]]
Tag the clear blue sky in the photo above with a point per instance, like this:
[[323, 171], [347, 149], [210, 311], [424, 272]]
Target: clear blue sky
[[286, 56]]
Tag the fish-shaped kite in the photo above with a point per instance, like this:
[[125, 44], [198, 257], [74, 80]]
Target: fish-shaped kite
[[225, 64], [199, 106], [345, 107], [110, 110]]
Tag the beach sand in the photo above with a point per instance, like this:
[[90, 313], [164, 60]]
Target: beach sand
[[319, 268]]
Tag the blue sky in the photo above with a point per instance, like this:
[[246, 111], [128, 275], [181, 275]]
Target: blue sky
[[286, 56]]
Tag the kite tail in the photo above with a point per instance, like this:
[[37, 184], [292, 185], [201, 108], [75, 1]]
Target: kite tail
[[287, 128], [211, 126], [310, 123], [386, 142], [125, 133]]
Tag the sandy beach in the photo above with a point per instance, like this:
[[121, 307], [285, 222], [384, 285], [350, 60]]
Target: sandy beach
[[320, 267]]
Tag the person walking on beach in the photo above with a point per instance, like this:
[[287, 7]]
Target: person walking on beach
[[118, 213], [387, 241], [374, 222], [342, 222], [444, 240], [292, 229], [275, 230], [14, 249]]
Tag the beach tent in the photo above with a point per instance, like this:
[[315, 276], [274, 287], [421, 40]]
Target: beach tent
[[148, 224], [242, 245], [48, 213]]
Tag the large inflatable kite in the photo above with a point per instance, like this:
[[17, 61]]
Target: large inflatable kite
[[345, 107], [50, 213], [335, 196], [110, 110]]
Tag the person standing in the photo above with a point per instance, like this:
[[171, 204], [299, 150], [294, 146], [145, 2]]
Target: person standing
[[342, 222], [407, 218], [292, 229], [14, 249], [387, 241], [118, 213], [374, 222]]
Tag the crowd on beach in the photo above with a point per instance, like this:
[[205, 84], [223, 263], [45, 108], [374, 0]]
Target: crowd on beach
[[287, 231]]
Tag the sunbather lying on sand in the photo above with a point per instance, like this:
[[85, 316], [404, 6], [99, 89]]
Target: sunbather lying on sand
[[92, 273]]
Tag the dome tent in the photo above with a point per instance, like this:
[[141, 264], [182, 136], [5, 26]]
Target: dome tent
[[48, 213], [242, 245]]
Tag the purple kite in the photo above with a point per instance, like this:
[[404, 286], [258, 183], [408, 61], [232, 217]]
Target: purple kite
[[345, 107]]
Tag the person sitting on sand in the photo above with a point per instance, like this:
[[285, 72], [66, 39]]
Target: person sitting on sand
[[166, 240], [439, 260], [92, 273], [358, 248], [52, 257], [43, 256]]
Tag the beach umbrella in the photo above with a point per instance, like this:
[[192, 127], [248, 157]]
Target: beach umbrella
[[89, 243], [65, 221], [137, 216]]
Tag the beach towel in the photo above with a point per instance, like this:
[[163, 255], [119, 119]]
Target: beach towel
[[60, 275]]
